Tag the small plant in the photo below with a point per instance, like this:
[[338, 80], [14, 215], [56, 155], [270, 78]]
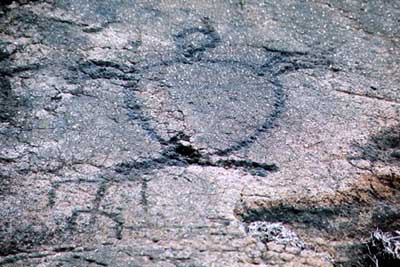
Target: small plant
[[384, 249]]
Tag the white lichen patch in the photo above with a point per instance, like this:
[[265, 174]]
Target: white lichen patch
[[274, 232]]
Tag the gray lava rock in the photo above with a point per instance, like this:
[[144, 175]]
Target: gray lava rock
[[150, 133]]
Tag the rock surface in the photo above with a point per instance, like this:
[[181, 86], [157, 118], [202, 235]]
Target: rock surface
[[197, 133]]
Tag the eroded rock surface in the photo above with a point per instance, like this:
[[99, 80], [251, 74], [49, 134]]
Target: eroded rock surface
[[197, 133]]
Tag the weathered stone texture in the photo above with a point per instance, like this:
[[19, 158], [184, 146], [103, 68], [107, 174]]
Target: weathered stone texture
[[197, 133]]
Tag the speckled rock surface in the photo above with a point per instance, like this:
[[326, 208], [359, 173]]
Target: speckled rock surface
[[197, 133]]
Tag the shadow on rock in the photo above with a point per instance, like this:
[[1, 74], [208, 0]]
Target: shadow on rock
[[353, 214], [383, 147], [8, 101]]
